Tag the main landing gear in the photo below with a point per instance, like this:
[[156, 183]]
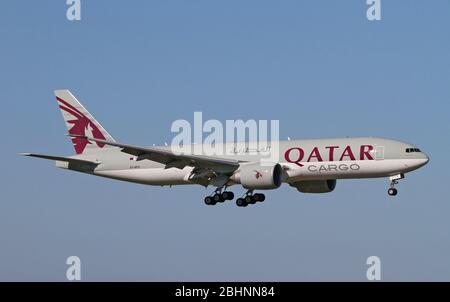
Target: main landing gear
[[250, 198], [219, 196], [394, 181]]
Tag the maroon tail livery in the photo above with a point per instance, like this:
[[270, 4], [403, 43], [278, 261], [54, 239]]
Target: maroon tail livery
[[80, 122]]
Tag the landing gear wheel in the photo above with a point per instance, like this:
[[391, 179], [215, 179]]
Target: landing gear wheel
[[392, 192], [249, 199], [240, 202], [227, 195], [259, 197], [209, 201], [217, 198]]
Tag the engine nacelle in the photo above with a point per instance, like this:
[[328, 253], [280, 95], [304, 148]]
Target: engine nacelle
[[257, 176], [315, 186]]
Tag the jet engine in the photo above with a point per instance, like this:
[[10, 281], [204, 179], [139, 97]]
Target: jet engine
[[315, 186], [257, 176]]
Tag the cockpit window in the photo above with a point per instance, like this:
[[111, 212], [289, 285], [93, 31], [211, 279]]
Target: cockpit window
[[413, 150]]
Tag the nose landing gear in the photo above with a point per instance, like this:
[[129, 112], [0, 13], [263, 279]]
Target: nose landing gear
[[394, 181]]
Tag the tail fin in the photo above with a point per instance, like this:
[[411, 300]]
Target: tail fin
[[79, 121]]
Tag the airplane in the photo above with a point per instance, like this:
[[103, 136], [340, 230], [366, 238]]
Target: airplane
[[310, 166]]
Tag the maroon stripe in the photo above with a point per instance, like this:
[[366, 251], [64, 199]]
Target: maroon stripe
[[75, 114], [70, 106]]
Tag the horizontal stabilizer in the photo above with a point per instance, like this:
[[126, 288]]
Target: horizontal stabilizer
[[64, 159]]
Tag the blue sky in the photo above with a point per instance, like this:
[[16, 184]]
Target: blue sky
[[319, 67]]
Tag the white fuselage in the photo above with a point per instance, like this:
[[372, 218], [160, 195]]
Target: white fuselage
[[302, 160]]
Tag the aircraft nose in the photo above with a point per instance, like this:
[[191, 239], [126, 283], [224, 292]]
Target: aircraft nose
[[423, 161], [427, 159], [418, 163]]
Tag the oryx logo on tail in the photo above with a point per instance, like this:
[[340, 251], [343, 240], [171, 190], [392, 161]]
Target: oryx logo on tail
[[80, 122]]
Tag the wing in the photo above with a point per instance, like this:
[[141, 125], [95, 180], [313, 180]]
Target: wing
[[202, 163]]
